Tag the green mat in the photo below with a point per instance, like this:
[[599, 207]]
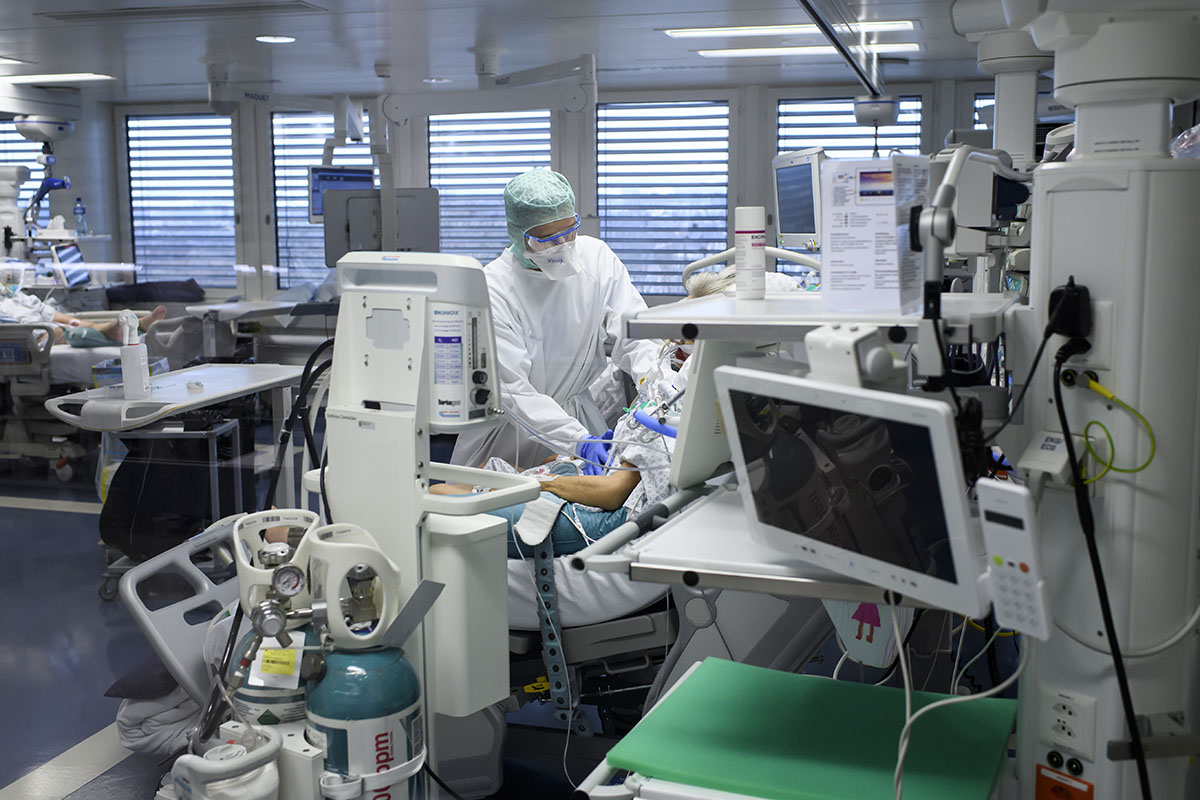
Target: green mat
[[772, 734]]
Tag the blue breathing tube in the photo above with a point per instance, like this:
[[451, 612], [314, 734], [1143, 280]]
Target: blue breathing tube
[[653, 424]]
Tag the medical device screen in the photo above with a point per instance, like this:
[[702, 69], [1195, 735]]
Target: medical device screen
[[797, 200], [323, 178], [863, 484], [66, 254]]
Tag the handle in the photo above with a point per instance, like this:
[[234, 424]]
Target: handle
[[248, 542], [510, 489], [201, 771], [341, 547], [42, 346]]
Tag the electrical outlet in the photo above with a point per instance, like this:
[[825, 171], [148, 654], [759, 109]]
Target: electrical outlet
[[1069, 722]]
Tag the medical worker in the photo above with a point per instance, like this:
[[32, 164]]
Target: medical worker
[[557, 299]]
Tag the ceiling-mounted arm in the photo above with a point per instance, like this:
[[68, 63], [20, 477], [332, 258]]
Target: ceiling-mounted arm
[[564, 86], [873, 83]]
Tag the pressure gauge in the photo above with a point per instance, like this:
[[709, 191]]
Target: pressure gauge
[[288, 580]]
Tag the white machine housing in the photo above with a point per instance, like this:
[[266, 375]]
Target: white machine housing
[[394, 383]]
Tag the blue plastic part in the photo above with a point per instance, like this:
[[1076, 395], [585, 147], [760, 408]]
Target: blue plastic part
[[654, 425]]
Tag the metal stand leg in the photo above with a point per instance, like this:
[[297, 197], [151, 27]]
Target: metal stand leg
[[209, 328], [281, 405]]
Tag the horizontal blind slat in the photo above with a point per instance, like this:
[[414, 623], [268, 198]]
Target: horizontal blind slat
[[181, 193]]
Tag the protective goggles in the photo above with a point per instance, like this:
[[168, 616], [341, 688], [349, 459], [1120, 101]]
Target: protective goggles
[[535, 243]]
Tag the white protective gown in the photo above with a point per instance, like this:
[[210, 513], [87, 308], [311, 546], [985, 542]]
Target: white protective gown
[[550, 337]]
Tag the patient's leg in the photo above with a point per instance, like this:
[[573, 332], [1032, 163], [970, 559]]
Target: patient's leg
[[112, 328]]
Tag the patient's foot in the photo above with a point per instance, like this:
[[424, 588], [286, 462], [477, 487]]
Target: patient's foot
[[112, 328], [159, 312]]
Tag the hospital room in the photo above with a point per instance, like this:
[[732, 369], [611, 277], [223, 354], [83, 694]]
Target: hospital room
[[717, 400]]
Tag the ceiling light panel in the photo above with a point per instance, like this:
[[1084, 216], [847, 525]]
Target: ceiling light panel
[[60, 77], [785, 30], [815, 50]]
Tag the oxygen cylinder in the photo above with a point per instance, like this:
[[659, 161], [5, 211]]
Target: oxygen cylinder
[[261, 705], [365, 713]]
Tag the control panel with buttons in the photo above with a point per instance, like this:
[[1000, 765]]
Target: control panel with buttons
[[1014, 559]]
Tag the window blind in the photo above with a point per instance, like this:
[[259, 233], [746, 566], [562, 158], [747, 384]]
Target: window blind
[[181, 197], [17, 151], [471, 157], [663, 183], [297, 143], [829, 123]]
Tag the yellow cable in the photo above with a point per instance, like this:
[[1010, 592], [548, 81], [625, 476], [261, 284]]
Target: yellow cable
[[1112, 450], [979, 627], [1104, 392]]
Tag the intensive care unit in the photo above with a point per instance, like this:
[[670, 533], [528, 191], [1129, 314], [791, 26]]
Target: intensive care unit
[[530, 444]]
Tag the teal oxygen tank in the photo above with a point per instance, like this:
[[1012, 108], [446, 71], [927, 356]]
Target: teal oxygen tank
[[267, 706], [365, 712]]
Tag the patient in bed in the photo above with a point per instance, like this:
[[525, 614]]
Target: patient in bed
[[25, 309], [594, 505]]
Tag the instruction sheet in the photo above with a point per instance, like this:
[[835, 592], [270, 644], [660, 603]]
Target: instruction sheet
[[867, 263]]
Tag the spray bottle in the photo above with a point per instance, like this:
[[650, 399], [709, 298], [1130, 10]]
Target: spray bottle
[[750, 254], [135, 363]]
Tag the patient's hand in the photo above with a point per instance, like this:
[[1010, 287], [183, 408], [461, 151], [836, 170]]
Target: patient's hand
[[272, 535]]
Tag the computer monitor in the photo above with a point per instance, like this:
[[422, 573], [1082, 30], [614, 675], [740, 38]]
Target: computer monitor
[[797, 179], [864, 483], [68, 265], [353, 222], [321, 179]]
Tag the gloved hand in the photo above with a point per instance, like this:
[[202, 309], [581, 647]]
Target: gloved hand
[[596, 449]]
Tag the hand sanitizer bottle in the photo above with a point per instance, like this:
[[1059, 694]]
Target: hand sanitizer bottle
[[135, 363]]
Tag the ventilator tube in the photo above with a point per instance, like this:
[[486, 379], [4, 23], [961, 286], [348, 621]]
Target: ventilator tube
[[750, 254]]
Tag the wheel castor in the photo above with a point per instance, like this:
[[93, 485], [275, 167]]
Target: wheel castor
[[108, 590]]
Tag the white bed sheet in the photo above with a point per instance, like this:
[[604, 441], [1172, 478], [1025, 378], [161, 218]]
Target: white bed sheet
[[584, 598], [74, 364]]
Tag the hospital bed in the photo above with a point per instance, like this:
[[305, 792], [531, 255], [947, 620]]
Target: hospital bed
[[32, 370]]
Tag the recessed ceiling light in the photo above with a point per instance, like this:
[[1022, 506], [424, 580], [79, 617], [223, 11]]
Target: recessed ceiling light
[[435, 80], [815, 50], [272, 39], [60, 77], [786, 30]]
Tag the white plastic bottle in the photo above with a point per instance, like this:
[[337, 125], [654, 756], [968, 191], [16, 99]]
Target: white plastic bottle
[[135, 362], [750, 255]]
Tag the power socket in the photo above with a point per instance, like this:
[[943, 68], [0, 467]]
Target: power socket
[[1069, 722]]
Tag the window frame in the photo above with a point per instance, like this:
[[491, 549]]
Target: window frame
[[124, 200], [732, 96], [929, 108]]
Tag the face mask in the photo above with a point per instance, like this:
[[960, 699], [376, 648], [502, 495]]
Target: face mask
[[557, 262], [680, 353]]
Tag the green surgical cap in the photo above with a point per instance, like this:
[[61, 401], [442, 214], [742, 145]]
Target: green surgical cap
[[534, 198]]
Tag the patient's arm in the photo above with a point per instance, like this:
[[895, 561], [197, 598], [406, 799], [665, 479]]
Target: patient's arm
[[608, 492], [451, 488]]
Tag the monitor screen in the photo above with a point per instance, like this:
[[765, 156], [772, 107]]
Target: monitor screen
[[65, 255], [797, 200], [863, 484], [321, 179]]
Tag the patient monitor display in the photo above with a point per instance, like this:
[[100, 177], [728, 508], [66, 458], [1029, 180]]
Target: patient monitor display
[[324, 178], [798, 198], [864, 483]]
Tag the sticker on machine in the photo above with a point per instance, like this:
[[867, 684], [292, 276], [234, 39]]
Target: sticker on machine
[[448, 370], [1053, 785]]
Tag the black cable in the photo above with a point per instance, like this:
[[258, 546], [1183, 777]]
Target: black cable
[[429, 770], [211, 716], [937, 335], [324, 496], [1087, 522], [285, 432], [1037, 358]]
